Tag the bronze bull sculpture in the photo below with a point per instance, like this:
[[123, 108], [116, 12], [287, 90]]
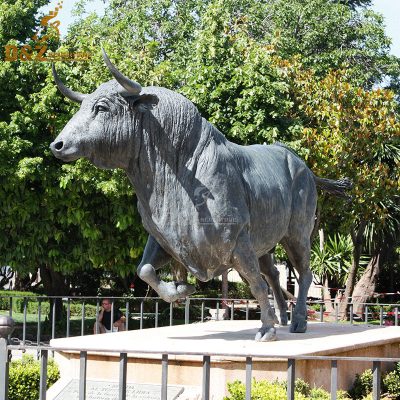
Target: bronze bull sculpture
[[206, 202]]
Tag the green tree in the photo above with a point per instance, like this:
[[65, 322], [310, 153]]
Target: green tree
[[330, 35], [58, 218], [17, 24], [356, 132], [233, 80], [226, 56]]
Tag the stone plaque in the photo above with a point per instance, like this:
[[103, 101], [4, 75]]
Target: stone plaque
[[100, 390]]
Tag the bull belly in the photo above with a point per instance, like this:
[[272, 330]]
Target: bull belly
[[206, 259]]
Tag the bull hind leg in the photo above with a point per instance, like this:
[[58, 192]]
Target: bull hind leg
[[299, 252], [246, 263], [155, 257], [271, 274]]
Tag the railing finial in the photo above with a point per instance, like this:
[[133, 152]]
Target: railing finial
[[6, 326]]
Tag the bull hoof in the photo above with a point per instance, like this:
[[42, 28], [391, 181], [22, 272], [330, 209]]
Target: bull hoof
[[173, 291], [266, 334], [283, 318], [298, 326]]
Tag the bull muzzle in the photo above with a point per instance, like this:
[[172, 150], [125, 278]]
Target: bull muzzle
[[64, 152], [57, 146]]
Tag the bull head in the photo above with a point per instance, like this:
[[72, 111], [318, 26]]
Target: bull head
[[99, 131]]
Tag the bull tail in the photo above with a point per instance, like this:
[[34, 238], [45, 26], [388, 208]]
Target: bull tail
[[337, 188]]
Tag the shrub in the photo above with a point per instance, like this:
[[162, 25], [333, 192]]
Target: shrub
[[178, 313], [25, 378], [301, 387], [315, 307], [18, 302], [391, 382], [265, 390], [362, 385], [260, 390], [319, 394], [76, 310], [33, 301], [239, 290]]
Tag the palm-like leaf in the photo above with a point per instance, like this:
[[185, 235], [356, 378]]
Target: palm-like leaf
[[334, 260]]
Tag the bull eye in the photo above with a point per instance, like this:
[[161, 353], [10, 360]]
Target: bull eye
[[101, 108]]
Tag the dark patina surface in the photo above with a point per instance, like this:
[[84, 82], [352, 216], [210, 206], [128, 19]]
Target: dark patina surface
[[206, 202]]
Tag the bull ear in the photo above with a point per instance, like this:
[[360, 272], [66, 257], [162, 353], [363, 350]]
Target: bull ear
[[70, 94], [132, 88], [147, 99], [144, 102]]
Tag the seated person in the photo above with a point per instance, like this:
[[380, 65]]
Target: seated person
[[104, 321]]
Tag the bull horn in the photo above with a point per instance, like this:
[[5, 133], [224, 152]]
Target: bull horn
[[74, 96], [133, 88]]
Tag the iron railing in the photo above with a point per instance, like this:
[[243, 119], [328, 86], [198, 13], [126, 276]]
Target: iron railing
[[5, 350], [141, 312]]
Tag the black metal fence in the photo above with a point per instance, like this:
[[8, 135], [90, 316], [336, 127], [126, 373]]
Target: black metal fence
[[5, 350], [152, 312], [40, 319]]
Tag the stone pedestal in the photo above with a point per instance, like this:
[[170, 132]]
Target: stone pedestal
[[232, 338]]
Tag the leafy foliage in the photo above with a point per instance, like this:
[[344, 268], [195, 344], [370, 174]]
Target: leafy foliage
[[362, 387], [334, 260], [391, 382], [24, 378], [266, 390], [233, 80], [347, 130], [45, 204], [329, 35]]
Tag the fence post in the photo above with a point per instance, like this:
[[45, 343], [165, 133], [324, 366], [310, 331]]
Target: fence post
[[376, 380], [291, 378], [6, 328], [187, 305]]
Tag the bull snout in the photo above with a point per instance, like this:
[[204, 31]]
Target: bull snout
[[63, 151], [56, 146]]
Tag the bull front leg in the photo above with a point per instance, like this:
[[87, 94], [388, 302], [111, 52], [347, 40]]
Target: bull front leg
[[155, 257], [245, 261]]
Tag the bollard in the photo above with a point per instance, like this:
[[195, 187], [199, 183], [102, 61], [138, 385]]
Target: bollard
[[6, 328]]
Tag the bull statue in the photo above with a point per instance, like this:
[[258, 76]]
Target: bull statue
[[206, 202]]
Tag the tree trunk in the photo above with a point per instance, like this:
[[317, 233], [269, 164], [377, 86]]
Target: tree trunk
[[326, 295], [54, 284], [365, 287], [357, 238]]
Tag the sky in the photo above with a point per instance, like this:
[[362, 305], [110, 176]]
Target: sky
[[389, 8], [65, 13], [391, 12]]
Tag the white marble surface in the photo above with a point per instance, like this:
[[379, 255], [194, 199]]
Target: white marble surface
[[236, 338]]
